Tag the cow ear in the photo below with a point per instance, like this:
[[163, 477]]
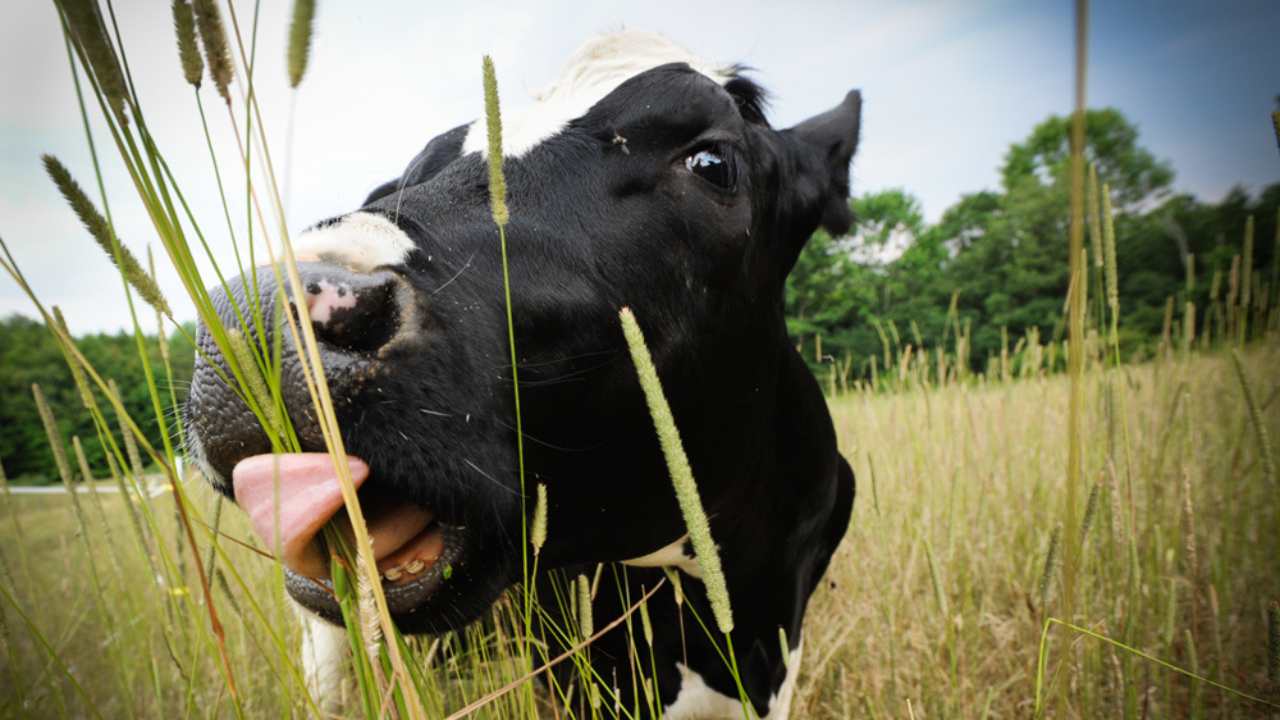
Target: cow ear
[[829, 141]]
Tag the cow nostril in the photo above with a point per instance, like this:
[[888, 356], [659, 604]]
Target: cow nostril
[[352, 313]]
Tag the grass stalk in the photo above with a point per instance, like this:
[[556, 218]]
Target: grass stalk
[[695, 517], [1043, 653], [1261, 436], [1076, 349]]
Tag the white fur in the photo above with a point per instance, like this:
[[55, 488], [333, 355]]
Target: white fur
[[594, 71], [669, 556], [360, 241], [325, 650], [697, 701]]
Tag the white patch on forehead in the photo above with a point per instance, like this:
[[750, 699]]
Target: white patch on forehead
[[594, 71], [360, 241], [672, 555], [698, 701]]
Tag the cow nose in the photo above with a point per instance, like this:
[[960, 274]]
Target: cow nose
[[351, 312], [354, 315]]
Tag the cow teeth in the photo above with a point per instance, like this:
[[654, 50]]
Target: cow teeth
[[415, 567], [393, 574]]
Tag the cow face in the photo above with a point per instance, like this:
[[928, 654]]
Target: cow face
[[641, 179]]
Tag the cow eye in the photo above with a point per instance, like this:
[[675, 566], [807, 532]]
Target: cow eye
[[712, 166]]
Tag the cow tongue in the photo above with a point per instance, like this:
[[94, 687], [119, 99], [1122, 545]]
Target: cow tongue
[[309, 497], [392, 526]]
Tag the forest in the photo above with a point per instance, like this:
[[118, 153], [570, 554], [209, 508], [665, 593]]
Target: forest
[[996, 261], [992, 269]]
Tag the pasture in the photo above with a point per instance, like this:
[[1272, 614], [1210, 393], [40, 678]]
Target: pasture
[[1026, 542], [934, 605]]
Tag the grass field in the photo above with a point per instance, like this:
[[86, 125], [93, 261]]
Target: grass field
[[935, 602], [1097, 544]]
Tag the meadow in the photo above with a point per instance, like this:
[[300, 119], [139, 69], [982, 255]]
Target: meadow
[[934, 605], [1025, 543]]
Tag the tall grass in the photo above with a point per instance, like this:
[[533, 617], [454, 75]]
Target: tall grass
[[393, 674], [970, 583]]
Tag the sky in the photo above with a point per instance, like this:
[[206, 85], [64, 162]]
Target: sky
[[947, 87]]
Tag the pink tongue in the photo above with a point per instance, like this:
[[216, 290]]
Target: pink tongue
[[309, 497]]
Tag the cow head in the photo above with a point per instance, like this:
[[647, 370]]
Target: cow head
[[643, 178]]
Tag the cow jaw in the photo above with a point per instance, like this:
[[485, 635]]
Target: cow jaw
[[406, 539]]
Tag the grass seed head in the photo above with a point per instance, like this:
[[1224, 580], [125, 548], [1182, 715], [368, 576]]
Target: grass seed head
[[1257, 419], [786, 649], [184, 26], [673, 576], [1095, 231], [161, 339], [695, 517], [1090, 511], [86, 475], [646, 625], [130, 442], [1050, 566], [493, 123], [256, 386], [1109, 260], [85, 23], [217, 52], [370, 624], [77, 372], [586, 625], [304, 13], [99, 229], [538, 529], [52, 432]]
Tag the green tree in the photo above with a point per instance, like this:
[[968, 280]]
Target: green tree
[[1004, 252], [1111, 142], [28, 354]]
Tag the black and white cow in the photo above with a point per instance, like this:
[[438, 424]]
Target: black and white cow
[[643, 177]]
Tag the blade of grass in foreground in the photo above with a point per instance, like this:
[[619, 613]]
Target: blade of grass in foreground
[[317, 383], [1042, 661], [695, 516]]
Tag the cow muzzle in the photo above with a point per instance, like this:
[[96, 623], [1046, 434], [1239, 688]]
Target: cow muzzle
[[355, 317]]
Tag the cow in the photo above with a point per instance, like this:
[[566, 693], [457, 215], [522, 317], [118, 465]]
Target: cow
[[644, 177]]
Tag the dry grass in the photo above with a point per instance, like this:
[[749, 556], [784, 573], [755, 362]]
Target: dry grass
[[970, 474], [976, 474]]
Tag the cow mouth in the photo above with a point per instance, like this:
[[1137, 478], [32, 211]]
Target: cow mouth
[[291, 497]]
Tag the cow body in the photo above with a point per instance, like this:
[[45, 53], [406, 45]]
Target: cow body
[[643, 178]]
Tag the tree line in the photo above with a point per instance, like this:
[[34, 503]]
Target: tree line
[[29, 355], [996, 261]]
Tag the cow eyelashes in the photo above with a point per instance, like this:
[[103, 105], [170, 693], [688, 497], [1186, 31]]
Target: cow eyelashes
[[713, 165]]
